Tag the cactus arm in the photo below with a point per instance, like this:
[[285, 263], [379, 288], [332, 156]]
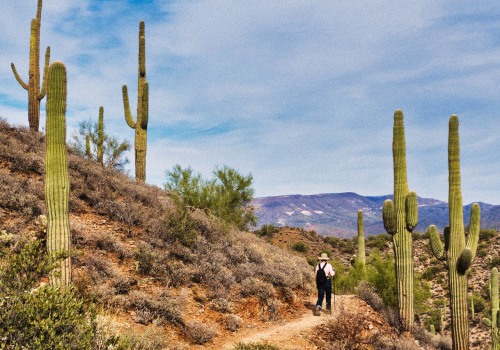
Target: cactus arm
[[145, 108], [474, 228], [411, 206], [45, 72], [436, 245], [389, 217], [126, 106], [142, 50], [18, 78]]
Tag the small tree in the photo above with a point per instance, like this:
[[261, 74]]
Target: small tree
[[227, 195], [86, 143]]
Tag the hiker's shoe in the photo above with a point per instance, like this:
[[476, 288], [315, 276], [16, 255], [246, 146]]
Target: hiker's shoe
[[318, 310]]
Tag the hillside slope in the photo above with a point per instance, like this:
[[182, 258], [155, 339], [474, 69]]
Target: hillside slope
[[180, 276]]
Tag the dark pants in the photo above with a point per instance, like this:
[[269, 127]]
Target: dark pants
[[326, 288]]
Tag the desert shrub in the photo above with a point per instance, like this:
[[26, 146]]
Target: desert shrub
[[266, 231], [346, 331], [232, 322], [42, 317], [255, 346], [422, 293], [255, 287], [430, 272], [107, 338], [479, 303], [179, 227], [145, 259], [273, 307], [494, 262], [347, 277], [380, 242], [20, 196], [312, 260], [366, 291], [253, 254], [381, 274], [221, 305], [166, 308], [486, 234], [199, 332], [299, 247], [433, 318], [481, 252]]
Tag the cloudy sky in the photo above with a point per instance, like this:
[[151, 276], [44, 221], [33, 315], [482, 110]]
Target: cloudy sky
[[300, 94]]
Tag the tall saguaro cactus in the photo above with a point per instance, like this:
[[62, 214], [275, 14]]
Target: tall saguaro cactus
[[100, 136], [495, 311], [457, 251], [35, 93], [141, 123], [400, 218], [56, 174], [361, 239]]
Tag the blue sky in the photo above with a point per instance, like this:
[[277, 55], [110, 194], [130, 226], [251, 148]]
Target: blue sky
[[300, 94]]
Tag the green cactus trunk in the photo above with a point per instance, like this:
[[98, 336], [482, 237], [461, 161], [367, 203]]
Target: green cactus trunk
[[141, 124], [495, 311], [56, 175], [361, 240], [35, 93], [400, 217], [458, 253], [100, 137], [442, 318]]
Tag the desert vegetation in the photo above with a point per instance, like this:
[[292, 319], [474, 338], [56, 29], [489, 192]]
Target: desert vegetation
[[92, 259]]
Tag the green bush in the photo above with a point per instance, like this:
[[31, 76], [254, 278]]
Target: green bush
[[495, 262], [381, 274], [346, 278], [487, 234], [299, 247], [430, 272], [380, 242], [40, 317], [255, 346], [266, 231], [227, 195]]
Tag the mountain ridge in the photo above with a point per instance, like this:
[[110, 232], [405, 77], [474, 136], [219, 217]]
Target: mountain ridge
[[335, 214]]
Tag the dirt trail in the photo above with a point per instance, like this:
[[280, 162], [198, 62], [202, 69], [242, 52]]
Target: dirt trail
[[290, 334]]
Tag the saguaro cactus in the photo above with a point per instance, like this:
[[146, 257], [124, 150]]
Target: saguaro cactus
[[56, 174], [35, 93], [400, 218], [141, 123], [495, 311], [100, 136], [458, 252], [361, 239]]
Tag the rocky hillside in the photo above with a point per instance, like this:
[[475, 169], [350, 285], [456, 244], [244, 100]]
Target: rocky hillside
[[175, 276], [308, 244], [335, 214]]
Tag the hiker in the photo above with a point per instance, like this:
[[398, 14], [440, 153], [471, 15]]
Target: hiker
[[324, 282]]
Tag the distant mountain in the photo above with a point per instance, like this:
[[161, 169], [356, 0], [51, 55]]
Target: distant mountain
[[335, 214]]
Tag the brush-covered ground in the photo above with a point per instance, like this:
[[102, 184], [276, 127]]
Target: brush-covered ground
[[165, 277]]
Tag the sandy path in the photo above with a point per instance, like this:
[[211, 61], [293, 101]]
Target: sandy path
[[290, 335]]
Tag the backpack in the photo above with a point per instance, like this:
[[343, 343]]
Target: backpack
[[321, 275]]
